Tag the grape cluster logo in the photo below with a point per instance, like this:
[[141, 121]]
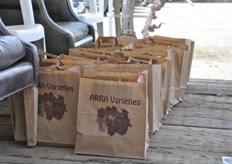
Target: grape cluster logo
[[51, 106], [113, 121]]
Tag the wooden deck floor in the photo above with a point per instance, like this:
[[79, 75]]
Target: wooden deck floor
[[197, 130]]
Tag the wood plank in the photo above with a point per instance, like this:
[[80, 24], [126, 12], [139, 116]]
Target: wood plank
[[210, 87], [194, 139], [5, 120], [202, 111], [204, 101], [170, 145], [198, 122], [203, 144], [4, 107], [6, 132]]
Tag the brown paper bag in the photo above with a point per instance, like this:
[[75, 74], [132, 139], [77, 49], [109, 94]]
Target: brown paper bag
[[185, 66], [189, 44], [154, 83], [112, 118], [179, 43], [97, 55], [166, 80], [180, 64], [17, 100], [157, 57], [175, 77], [107, 43], [58, 95], [76, 60], [18, 117], [184, 61]]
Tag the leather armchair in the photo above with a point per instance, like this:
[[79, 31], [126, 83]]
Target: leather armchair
[[19, 68], [63, 30], [10, 12]]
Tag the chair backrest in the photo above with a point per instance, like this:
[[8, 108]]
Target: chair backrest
[[10, 12], [27, 11], [15, 12], [57, 10], [96, 6]]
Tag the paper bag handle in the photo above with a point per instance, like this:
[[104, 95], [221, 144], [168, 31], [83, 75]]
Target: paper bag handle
[[109, 39], [41, 53]]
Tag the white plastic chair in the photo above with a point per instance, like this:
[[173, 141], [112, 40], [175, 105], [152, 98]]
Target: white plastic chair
[[29, 31], [95, 16]]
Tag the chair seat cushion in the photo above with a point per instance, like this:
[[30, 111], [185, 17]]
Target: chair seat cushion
[[78, 30], [16, 78], [11, 50]]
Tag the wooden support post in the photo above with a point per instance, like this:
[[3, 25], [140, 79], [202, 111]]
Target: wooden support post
[[117, 6], [127, 22], [31, 113]]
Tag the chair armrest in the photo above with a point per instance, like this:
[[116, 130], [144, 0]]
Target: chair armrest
[[32, 57], [3, 29], [11, 50], [57, 11], [52, 29]]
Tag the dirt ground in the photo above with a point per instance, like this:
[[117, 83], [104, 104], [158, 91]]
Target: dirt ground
[[208, 24]]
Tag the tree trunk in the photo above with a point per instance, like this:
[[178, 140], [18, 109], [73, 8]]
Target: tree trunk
[[156, 6], [127, 22], [117, 6]]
